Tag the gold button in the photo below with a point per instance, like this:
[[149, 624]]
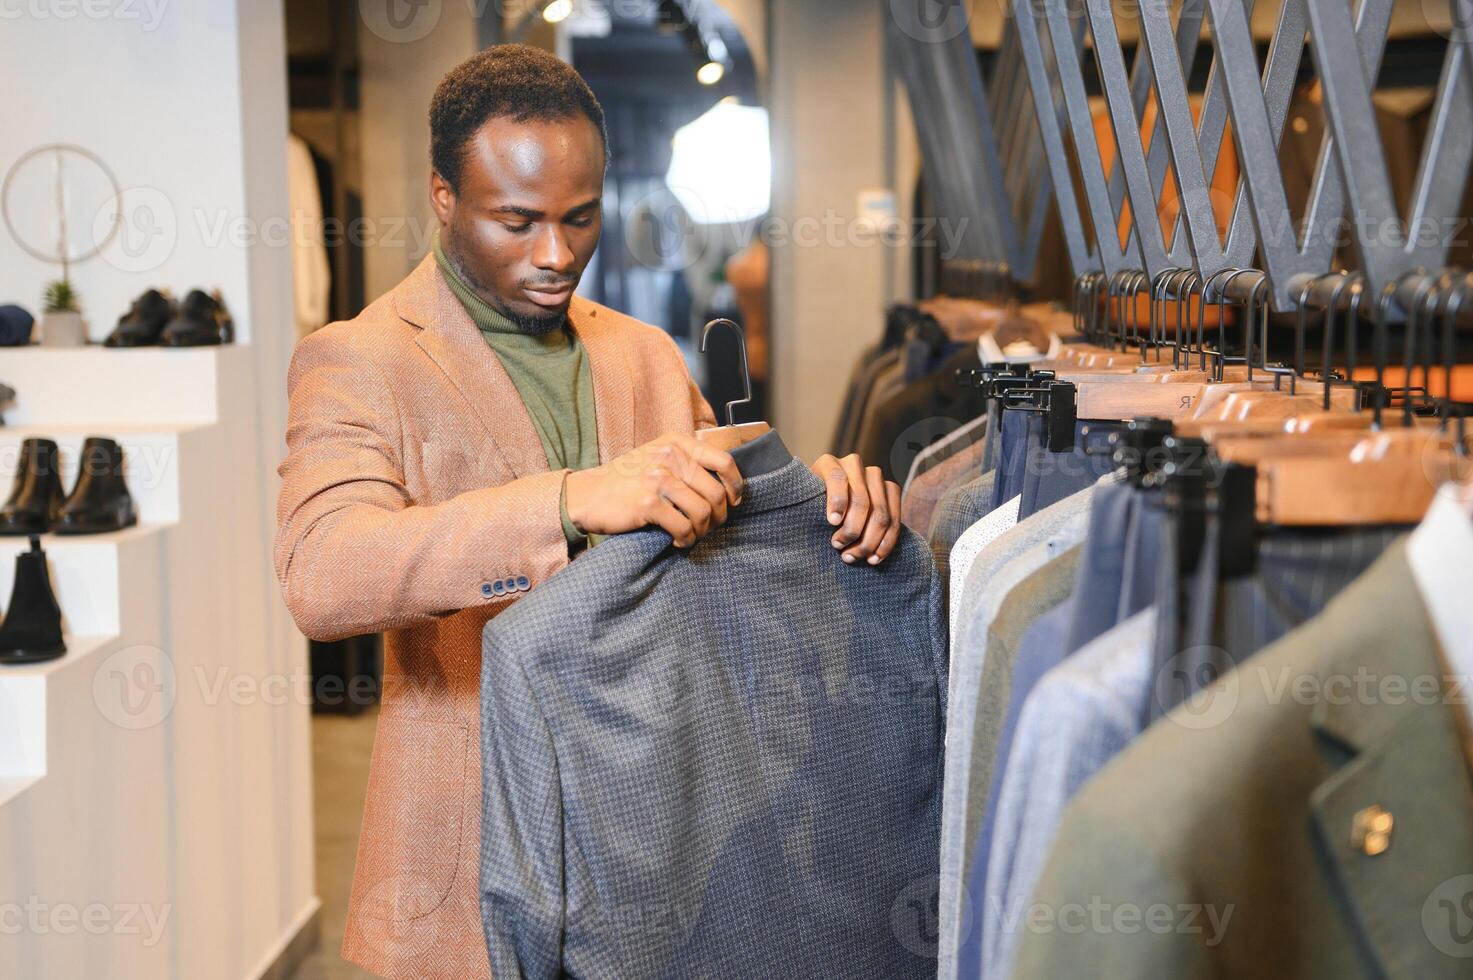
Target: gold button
[[1370, 830]]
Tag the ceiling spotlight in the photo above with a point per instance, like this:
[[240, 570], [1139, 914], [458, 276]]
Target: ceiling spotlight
[[710, 73], [557, 11]]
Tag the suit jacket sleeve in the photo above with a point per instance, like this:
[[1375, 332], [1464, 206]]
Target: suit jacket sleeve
[[354, 553], [521, 884]]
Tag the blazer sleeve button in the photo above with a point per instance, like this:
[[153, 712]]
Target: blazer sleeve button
[[486, 589], [499, 587], [523, 583]]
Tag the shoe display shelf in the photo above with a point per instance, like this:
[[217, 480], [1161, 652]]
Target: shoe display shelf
[[135, 771]]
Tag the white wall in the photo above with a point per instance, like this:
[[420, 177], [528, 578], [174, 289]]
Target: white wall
[[156, 96], [399, 68], [204, 814]]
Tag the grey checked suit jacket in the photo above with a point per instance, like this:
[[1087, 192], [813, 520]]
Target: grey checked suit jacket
[[723, 762]]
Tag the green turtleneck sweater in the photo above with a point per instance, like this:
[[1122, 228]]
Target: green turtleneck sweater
[[552, 375]]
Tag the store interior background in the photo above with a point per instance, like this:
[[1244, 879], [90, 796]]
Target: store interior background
[[239, 813]]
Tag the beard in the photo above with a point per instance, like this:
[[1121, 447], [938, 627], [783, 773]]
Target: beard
[[531, 324]]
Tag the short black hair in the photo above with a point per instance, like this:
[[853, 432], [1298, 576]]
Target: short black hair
[[512, 81]]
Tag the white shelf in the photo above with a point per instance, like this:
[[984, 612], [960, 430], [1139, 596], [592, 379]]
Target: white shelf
[[87, 571], [131, 386]]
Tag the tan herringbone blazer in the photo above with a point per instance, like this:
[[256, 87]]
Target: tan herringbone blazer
[[416, 500]]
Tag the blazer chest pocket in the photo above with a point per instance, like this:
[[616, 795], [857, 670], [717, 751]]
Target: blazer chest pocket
[[414, 817], [449, 465]]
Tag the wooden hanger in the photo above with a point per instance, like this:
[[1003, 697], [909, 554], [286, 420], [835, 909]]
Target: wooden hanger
[[1378, 481], [732, 435]]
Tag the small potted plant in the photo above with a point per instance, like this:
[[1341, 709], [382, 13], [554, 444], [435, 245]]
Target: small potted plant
[[61, 322]]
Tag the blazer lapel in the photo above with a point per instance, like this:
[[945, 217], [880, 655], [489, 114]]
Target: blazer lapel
[[1400, 752], [449, 336], [613, 387]]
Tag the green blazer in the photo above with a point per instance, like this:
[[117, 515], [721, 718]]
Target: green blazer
[[1238, 836]]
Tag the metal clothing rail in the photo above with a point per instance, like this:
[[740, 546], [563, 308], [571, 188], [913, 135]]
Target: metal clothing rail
[[1389, 247], [1039, 95]]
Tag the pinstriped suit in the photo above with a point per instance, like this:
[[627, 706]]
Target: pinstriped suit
[[416, 500], [718, 763]]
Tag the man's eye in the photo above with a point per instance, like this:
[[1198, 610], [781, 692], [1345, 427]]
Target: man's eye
[[581, 222], [516, 229]]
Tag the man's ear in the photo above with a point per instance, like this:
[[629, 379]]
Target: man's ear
[[442, 197]]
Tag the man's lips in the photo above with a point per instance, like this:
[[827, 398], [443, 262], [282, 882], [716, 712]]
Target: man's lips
[[549, 295]]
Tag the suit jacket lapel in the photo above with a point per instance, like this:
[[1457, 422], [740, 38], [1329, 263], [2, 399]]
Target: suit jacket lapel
[[448, 335], [1401, 752], [613, 389]]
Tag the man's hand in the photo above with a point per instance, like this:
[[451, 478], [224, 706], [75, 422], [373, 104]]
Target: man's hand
[[864, 504], [666, 483]]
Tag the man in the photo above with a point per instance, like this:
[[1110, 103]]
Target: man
[[463, 439]]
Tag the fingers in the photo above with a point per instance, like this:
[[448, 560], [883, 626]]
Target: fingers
[[856, 511], [877, 520], [668, 517], [711, 489], [892, 536], [836, 482], [695, 508], [715, 461]]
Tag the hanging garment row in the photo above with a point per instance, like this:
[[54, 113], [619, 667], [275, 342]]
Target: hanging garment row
[[1104, 575]]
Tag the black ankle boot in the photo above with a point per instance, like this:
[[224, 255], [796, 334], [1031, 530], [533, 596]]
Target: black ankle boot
[[31, 632], [100, 501], [37, 494]]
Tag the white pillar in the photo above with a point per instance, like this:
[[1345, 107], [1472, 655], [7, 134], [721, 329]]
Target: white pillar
[[833, 137]]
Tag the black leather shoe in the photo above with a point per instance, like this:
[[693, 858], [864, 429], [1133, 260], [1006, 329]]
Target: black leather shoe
[[202, 322], [144, 321], [31, 632], [100, 501], [37, 494]]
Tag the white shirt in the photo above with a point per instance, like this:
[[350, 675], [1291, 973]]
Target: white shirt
[[1019, 352], [1440, 552]]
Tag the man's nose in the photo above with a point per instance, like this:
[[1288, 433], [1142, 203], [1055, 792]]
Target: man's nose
[[551, 252]]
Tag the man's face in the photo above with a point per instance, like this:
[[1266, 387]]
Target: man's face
[[527, 218]]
